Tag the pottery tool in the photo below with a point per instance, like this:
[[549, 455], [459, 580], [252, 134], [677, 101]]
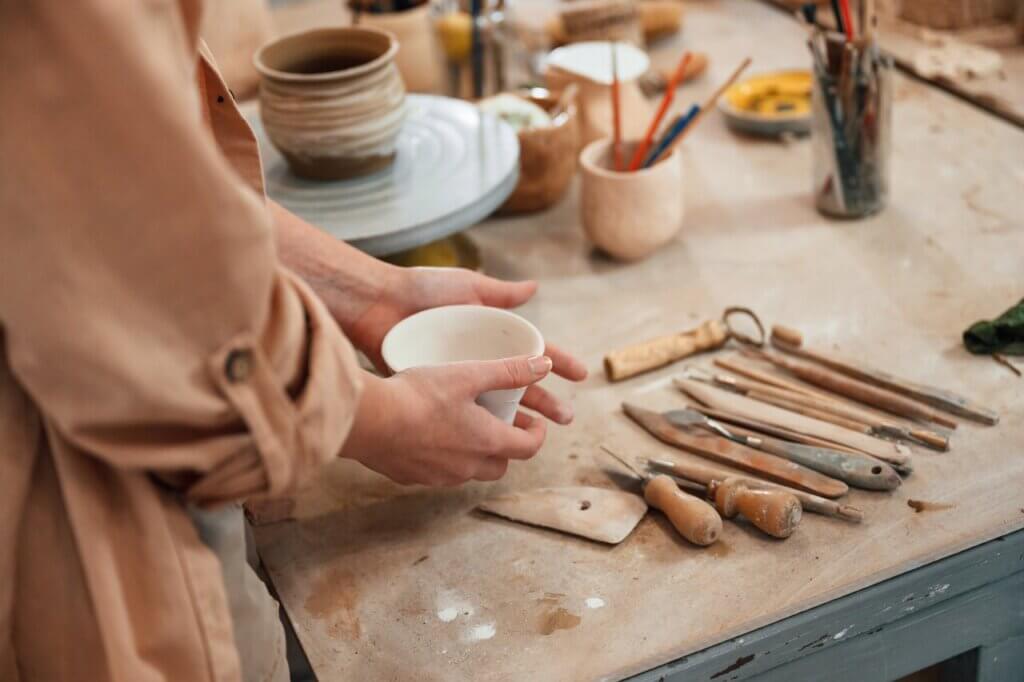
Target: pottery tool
[[856, 469], [695, 519], [594, 513], [675, 130], [666, 101], [930, 395], [732, 403], [827, 410], [705, 474], [663, 350], [616, 113], [844, 7], [477, 50], [735, 366], [837, 14], [742, 457], [855, 389], [707, 106]]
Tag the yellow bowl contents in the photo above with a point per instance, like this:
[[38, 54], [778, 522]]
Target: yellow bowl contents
[[783, 94]]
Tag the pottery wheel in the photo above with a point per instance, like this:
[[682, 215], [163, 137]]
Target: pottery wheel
[[454, 166]]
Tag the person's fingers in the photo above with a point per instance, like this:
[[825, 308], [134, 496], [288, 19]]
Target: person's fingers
[[491, 469], [540, 400], [566, 365], [500, 294], [498, 375], [523, 439]]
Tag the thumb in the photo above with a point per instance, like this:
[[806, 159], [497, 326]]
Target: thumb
[[498, 375]]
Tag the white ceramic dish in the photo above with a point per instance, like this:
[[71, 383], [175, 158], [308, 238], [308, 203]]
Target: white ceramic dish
[[461, 333], [593, 60]]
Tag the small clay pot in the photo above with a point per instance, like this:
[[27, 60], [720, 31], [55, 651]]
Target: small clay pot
[[547, 159], [629, 215], [332, 101], [419, 56]]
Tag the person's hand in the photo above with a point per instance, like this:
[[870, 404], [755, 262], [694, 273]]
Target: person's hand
[[424, 426], [416, 289]]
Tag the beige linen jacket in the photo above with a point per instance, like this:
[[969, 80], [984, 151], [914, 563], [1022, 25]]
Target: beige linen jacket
[[153, 352]]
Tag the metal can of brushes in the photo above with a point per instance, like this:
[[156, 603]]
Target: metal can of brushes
[[851, 126]]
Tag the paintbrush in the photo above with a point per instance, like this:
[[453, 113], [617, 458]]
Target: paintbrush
[[666, 101], [674, 131], [477, 51], [616, 120], [844, 7], [704, 108]]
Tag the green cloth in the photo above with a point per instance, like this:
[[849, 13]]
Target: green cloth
[[1005, 334]]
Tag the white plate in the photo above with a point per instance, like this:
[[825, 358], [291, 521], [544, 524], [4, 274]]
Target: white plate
[[593, 60]]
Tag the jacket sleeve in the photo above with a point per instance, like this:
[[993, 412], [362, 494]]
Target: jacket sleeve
[[145, 311]]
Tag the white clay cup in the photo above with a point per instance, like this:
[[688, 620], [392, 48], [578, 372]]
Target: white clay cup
[[629, 215], [464, 333]]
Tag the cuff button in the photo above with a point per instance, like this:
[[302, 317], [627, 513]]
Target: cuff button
[[238, 365]]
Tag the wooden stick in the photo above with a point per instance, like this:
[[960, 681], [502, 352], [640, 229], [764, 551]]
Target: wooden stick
[[811, 412], [766, 378], [642, 357], [930, 395], [616, 114], [704, 474], [708, 105], [852, 388]]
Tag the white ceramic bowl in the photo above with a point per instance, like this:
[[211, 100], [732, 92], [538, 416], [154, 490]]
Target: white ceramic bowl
[[593, 60], [460, 333]]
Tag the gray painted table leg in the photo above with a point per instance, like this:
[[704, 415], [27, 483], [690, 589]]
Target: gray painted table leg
[[1002, 661]]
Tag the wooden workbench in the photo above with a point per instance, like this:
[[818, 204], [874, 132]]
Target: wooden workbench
[[390, 583]]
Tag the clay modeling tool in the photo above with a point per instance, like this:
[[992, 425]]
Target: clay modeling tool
[[708, 105], [674, 131], [695, 519], [858, 419], [930, 395], [594, 513], [703, 473], [857, 390], [742, 457], [736, 366], [858, 470], [844, 7], [663, 350], [616, 113], [751, 409], [666, 102]]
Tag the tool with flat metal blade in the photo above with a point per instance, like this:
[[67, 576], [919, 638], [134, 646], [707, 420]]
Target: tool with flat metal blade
[[692, 517], [740, 456], [594, 513], [856, 469]]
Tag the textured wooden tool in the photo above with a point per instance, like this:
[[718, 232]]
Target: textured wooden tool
[[692, 517], [930, 395], [736, 367], [742, 406], [642, 357], [868, 422], [734, 454], [855, 389], [775, 512], [594, 513], [703, 473]]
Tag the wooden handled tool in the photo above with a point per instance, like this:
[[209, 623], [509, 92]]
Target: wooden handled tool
[[736, 367], [930, 395], [775, 512], [742, 406], [863, 420], [740, 456], [643, 357], [705, 474], [695, 519], [857, 390]]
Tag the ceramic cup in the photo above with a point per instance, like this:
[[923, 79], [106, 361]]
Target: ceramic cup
[[419, 56], [460, 333], [547, 158], [332, 101], [629, 215]]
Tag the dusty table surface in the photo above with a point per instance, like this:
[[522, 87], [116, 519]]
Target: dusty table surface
[[385, 583]]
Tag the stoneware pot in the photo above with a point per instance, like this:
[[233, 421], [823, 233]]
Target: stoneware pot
[[332, 101], [588, 65], [419, 56], [629, 215], [460, 333], [547, 158]]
